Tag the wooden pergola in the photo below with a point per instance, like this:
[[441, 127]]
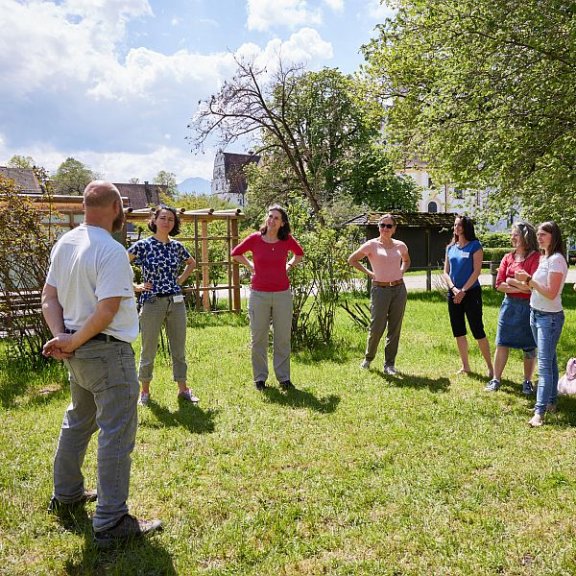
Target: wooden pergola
[[66, 212], [200, 220]]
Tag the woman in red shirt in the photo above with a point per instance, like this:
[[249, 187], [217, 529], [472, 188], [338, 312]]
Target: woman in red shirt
[[514, 319], [270, 295]]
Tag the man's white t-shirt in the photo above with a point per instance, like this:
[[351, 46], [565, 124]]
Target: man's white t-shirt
[[88, 265]]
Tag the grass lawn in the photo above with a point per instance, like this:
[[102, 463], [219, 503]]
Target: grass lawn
[[354, 473]]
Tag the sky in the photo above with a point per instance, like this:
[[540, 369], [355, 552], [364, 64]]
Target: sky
[[115, 83]]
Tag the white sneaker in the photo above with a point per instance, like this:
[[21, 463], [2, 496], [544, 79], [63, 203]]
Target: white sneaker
[[390, 370], [536, 421], [188, 396], [365, 365], [144, 399]]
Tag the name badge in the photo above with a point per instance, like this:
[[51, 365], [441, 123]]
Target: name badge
[[178, 298], [465, 254]]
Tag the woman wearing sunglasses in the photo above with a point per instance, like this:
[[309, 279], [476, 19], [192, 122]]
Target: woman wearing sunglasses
[[388, 259], [462, 268]]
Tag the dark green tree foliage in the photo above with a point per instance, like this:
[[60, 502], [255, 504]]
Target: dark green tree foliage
[[72, 177], [484, 90]]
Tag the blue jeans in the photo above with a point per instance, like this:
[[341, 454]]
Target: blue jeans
[[152, 316], [104, 390], [546, 327]]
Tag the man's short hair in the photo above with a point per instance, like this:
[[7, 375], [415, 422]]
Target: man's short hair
[[100, 193]]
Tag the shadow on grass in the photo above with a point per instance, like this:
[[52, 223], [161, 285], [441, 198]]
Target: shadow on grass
[[18, 380], [339, 352], [566, 415], [138, 556], [302, 399], [74, 520], [404, 380], [188, 415]]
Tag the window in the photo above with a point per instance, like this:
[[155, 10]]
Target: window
[[432, 207]]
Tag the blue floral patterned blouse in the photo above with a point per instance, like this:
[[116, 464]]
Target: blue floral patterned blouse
[[160, 264]]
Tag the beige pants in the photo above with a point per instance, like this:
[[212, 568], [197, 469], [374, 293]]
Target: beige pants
[[265, 308]]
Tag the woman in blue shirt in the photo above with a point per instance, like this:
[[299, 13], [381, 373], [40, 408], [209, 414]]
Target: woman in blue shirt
[[462, 268], [161, 258]]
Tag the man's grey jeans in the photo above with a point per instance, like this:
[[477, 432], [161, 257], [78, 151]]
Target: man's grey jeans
[[104, 389]]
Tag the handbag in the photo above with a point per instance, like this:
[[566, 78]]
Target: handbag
[[567, 383]]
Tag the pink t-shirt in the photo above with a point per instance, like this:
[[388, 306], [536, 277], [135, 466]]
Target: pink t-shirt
[[269, 261], [385, 262]]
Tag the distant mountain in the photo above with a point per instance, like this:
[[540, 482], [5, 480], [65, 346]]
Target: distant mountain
[[195, 186]]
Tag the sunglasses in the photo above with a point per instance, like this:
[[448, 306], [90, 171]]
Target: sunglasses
[[383, 225]]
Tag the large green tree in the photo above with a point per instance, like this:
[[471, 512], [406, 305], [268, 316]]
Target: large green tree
[[316, 136], [167, 179], [72, 177], [484, 91], [19, 161]]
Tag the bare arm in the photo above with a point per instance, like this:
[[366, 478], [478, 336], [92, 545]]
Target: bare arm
[[293, 261], [190, 265], [95, 323], [513, 286], [446, 274], [405, 261], [51, 309], [243, 260], [355, 261], [144, 285], [549, 290]]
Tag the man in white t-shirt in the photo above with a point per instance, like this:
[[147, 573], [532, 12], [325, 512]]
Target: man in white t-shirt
[[88, 304]]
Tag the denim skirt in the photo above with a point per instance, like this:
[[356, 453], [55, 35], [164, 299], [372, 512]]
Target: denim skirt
[[514, 329]]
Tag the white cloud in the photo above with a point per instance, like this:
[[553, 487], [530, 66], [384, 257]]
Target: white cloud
[[120, 167], [71, 85], [265, 14], [153, 76], [47, 45], [379, 11], [336, 5]]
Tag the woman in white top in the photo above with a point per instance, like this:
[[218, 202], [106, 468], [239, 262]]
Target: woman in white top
[[547, 316], [389, 260]]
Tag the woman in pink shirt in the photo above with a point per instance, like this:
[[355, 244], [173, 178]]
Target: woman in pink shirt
[[270, 295], [389, 259]]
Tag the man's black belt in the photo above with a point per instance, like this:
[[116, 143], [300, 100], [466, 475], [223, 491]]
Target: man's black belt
[[100, 337]]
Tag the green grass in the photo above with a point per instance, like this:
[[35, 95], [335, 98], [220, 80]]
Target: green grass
[[355, 473]]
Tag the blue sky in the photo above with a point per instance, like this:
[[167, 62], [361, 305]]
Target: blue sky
[[114, 83]]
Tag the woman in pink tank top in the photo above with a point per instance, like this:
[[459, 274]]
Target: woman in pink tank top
[[389, 259]]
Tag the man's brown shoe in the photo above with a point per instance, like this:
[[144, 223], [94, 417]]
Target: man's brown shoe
[[127, 528]]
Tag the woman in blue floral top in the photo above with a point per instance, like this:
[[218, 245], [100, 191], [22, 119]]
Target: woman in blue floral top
[[161, 258]]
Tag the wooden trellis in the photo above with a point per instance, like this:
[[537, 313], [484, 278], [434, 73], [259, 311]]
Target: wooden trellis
[[65, 212], [201, 239]]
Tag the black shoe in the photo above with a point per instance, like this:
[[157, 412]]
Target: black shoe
[[287, 385], [128, 527], [58, 506], [260, 385]]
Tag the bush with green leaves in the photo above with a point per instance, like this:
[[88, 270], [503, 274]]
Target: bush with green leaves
[[25, 244], [319, 279]]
